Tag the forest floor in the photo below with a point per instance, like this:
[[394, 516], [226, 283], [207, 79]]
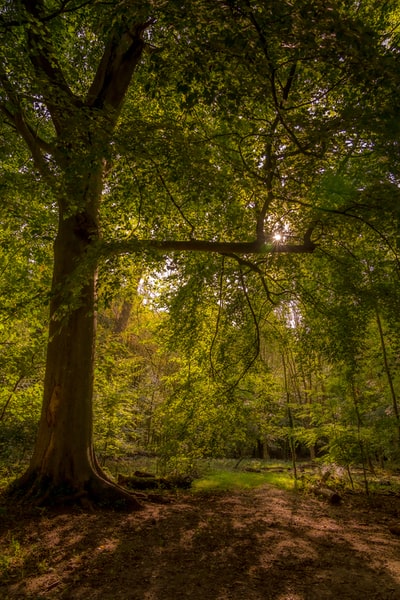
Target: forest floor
[[261, 544]]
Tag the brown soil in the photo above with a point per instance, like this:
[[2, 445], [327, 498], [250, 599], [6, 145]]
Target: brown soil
[[258, 545]]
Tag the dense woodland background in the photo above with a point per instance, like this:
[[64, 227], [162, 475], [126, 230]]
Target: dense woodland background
[[272, 125]]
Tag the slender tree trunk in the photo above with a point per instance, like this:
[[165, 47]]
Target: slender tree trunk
[[360, 440], [292, 443], [388, 374]]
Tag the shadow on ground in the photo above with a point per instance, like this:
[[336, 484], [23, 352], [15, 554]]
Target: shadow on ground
[[264, 544]]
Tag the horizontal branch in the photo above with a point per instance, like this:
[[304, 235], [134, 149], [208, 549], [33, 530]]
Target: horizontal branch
[[255, 247]]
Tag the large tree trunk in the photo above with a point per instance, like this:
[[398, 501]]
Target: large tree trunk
[[63, 461], [63, 466], [63, 449]]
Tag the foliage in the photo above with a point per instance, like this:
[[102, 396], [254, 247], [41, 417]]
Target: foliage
[[219, 181]]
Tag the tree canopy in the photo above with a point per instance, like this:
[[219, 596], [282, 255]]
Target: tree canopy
[[242, 152]]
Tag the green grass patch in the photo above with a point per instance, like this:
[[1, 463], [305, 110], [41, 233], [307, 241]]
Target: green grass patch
[[222, 474], [225, 479]]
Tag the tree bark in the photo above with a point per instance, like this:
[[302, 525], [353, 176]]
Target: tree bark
[[63, 467], [66, 411]]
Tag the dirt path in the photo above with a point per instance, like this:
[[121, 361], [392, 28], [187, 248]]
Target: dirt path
[[258, 545]]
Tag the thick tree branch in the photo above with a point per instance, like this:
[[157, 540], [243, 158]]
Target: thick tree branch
[[34, 143], [121, 56], [16, 117], [255, 247], [57, 94]]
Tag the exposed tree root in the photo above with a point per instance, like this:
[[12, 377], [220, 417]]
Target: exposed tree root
[[97, 491]]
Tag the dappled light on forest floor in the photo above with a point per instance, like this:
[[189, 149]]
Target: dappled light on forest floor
[[261, 544]]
